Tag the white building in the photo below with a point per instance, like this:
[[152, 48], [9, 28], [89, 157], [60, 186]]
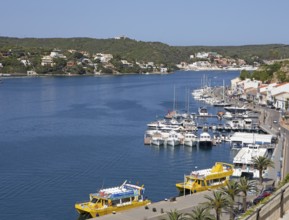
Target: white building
[[57, 54], [281, 95], [103, 58], [202, 55], [47, 61], [25, 62]]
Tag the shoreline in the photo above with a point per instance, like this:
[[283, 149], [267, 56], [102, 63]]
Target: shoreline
[[24, 75]]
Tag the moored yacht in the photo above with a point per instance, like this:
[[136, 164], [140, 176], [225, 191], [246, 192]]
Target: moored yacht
[[206, 179], [203, 111], [227, 115], [236, 109], [190, 139], [173, 139], [205, 139]]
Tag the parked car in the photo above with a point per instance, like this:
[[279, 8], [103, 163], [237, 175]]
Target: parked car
[[262, 196]]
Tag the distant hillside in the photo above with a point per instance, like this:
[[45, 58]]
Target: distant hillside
[[147, 51], [126, 48]]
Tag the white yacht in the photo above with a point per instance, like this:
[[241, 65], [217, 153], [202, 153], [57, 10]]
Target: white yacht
[[190, 139], [157, 139], [227, 115], [205, 139], [236, 124], [247, 123], [203, 111], [236, 109], [173, 139]]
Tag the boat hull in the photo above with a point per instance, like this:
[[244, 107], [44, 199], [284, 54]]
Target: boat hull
[[205, 143], [86, 208], [190, 143], [189, 188]]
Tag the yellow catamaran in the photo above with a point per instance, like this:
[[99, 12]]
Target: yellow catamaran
[[113, 200], [206, 179]]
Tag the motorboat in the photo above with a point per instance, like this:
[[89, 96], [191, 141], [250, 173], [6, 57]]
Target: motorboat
[[206, 179], [173, 139], [203, 111], [112, 200], [236, 109], [205, 139], [227, 115], [190, 139]]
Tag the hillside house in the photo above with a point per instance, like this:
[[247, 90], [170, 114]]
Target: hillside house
[[47, 61]]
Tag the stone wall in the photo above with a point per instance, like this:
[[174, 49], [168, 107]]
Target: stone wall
[[275, 208]]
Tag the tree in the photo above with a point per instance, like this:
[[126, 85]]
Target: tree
[[217, 202], [244, 186], [245, 74], [231, 190], [199, 213], [175, 215], [261, 163]]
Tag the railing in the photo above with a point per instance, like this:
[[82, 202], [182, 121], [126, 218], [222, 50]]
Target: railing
[[275, 208]]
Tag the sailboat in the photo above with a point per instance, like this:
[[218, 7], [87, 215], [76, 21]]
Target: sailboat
[[173, 113], [222, 103]]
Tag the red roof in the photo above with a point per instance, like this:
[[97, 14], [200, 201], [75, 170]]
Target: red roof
[[281, 84]]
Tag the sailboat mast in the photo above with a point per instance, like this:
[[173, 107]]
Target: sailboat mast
[[174, 104]]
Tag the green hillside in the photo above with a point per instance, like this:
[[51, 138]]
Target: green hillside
[[147, 51], [126, 48]]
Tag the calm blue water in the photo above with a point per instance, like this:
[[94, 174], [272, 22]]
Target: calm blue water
[[63, 138]]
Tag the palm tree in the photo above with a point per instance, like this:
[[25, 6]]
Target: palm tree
[[244, 186], [175, 215], [218, 201], [231, 190], [261, 163], [200, 213]]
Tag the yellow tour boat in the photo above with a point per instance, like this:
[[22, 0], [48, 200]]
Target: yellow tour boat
[[202, 180], [112, 200]]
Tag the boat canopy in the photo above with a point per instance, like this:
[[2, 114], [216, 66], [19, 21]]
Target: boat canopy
[[125, 191], [251, 138]]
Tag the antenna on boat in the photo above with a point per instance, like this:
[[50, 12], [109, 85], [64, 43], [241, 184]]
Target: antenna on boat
[[123, 184]]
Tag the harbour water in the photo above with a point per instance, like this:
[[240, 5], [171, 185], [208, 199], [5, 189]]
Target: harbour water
[[65, 137]]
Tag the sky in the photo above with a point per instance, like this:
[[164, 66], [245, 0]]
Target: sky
[[174, 22]]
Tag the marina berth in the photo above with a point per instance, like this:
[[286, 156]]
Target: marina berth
[[206, 179], [112, 200]]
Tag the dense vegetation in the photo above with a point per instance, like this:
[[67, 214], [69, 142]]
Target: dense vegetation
[[133, 51], [147, 51], [276, 72]]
